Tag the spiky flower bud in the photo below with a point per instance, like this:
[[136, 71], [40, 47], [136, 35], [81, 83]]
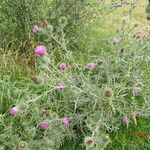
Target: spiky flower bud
[[23, 144], [63, 20], [45, 60], [106, 139], [89, 142], [109, 93], [65, 121], [62, 66]]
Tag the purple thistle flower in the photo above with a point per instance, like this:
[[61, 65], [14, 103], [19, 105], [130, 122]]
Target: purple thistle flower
[[90, 65], [14, 110], [35, 28], [65, 121], [40, 50], [44, 125], [62, 66]]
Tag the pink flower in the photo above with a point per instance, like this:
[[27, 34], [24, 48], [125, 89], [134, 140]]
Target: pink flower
[[14, 110], [62, 66], [125, 121], [44, 125], [35, 28], [40, 50], [60, 86], [45, 22], [90, 65], [65, 121]]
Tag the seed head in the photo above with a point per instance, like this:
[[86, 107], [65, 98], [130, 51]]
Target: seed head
[[89, 142], [23, 144], [109, 92], [106, 139]]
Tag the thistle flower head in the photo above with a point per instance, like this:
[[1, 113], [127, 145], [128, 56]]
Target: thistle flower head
[[65, 121], [14, 110], [108, 93], [40, 50], [44, 125], [89, 142], [35, 28], [90, 65], [62, 66]]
